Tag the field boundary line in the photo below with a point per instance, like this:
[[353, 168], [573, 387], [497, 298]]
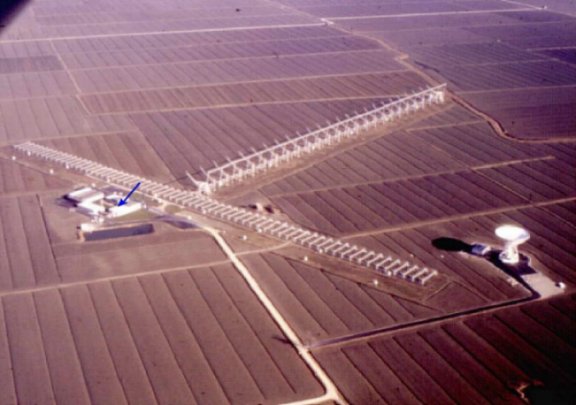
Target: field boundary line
[[458, 217], [437, 13], [233, 59], [342, 98], [523, 4], [416, 325], [413, 177], [70, 284], [285, 80], [141, 34], [401, 68], [331, 392], [498, 127]]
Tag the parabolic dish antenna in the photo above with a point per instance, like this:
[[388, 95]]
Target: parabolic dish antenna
[[513, 236]]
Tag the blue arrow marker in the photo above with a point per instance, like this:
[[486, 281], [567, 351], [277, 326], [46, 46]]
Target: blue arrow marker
[[123, 201]]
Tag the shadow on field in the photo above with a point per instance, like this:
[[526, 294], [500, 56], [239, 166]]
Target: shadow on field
[[8, 10], [451, 245]]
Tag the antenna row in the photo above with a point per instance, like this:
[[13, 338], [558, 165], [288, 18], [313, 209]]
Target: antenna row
[[244, 167], [378, 262]]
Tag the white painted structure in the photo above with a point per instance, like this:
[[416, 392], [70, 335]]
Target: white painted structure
[[123, 210], [87, 227], [513, 236], [91, 208], [85, 194], [382, 264], [235, 171]]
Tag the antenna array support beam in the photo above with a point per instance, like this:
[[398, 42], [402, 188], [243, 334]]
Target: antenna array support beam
[[235, 171], [194, 200]]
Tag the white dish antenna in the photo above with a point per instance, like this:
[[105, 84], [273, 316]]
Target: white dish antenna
[[513, 236]]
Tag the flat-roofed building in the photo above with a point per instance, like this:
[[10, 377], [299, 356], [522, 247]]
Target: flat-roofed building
[[122, 210], [91, 208], [85, 194]]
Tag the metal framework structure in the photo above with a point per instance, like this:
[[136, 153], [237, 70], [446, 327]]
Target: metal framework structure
[[260, 161], [378, 262]]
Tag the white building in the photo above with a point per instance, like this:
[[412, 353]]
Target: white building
[[122, 210], [90, 208], [85, 194]]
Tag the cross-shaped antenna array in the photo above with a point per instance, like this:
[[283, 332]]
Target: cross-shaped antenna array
[[380, 263]]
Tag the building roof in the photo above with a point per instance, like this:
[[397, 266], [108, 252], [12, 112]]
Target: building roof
[[85, 195]]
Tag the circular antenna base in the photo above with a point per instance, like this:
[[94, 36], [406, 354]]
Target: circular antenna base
[[507, 258]]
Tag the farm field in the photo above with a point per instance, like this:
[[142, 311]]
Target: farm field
[[42, 116], [399, 202], [551, 247], [16, 180], [503, 51], [254, 93], [217, 313], [532, 112], [420, 175], [139, 254], [40, 248], [127, 151], [566, 55], [27, 258], [404, 155], [192, 336], [490, 356], [325, 306], [231, 71], [229, 132], [205, 52]]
